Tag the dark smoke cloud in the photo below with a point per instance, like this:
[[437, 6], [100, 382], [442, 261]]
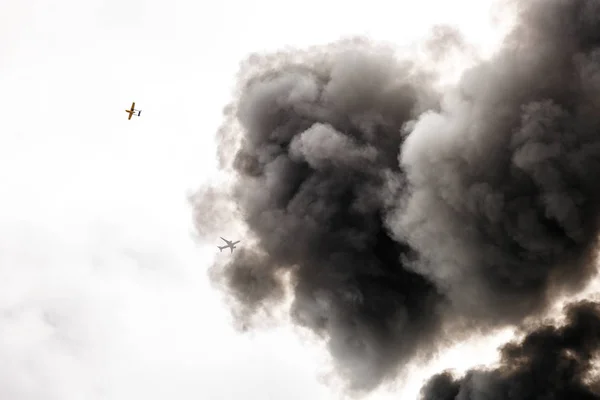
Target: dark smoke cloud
[[549, 363], [320, 144], [396, 212], [502, 204]]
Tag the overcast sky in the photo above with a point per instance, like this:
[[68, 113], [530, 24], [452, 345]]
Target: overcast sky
[[104, 293]]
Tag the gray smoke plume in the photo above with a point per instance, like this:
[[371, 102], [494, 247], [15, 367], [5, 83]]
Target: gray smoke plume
[[502, 203], [318, 157], [398, 212], [549, 363]]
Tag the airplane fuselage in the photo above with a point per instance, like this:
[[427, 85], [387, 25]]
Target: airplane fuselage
[[132, 110], [230, 245]]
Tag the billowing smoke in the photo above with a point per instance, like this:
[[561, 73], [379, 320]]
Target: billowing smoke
[[318, 170], [502, 201], [549, 363], [398, 212]]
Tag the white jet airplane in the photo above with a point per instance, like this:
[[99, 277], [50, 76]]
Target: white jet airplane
[[230, 244]]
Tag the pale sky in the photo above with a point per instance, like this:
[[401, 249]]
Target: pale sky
[[104, 293]]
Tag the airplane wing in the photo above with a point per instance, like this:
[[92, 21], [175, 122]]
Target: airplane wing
[[236, 242], [225, 240], [130, 115], [132, 106]]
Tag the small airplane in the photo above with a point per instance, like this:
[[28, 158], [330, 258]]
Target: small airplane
[[133, 110], [230, 244]]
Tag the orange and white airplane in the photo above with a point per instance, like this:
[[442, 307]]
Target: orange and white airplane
[[133, 110]]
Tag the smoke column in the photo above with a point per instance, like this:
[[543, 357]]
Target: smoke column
[[402, 215], [317, 171], [549, 363], [502, 197]]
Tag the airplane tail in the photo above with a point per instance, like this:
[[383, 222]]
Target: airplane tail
[[139, 112]]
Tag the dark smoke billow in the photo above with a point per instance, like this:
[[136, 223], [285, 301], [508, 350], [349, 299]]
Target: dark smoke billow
[[399, 212], [502, 201], [549, 363], [318, 169]]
